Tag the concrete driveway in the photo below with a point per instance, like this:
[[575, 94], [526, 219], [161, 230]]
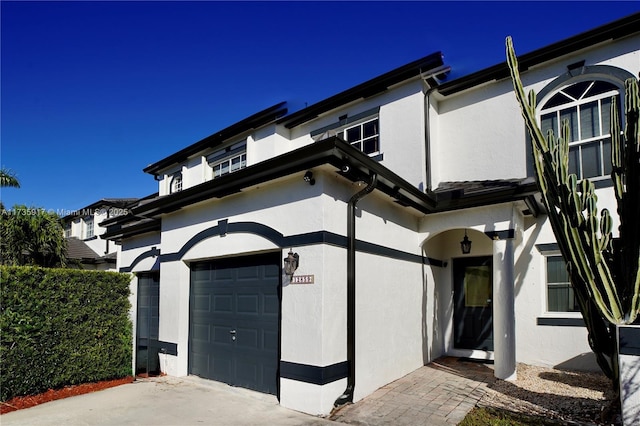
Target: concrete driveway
[[164, 401]]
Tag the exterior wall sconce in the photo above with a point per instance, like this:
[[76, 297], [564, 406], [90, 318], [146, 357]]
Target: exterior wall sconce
[[308, 177], [465, 244], [291, 263]]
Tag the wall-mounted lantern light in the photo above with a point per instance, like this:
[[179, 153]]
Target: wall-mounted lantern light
[[308, 177], [465, 244], [291, 263]]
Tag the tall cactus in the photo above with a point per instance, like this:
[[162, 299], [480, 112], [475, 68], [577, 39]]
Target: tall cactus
[[604, 271]]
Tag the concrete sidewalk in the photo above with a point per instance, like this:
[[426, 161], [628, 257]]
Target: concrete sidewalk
[[164, 401]]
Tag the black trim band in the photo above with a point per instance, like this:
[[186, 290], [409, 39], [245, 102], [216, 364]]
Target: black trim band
[[562, 322], [311, 238], [548, 247], [162, 347], [346, 121], [629, 340], [149, 253], [314, 374], [507, 234]]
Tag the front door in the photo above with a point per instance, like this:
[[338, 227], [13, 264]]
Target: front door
[[473, 296]]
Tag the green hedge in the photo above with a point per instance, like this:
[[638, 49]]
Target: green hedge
[[62, 327]]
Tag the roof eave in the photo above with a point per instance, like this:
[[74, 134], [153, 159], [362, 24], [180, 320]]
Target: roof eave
[[365, 90], [611, 31], [257, 120]]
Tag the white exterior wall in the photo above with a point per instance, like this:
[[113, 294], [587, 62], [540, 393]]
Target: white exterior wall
[[479, 137], [480, 134], [268, 142], [313, 327], [402, 129]]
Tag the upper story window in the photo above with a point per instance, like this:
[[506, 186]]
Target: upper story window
[[175, 184], [365, 136], [361, 130], [586, 105], [67, 230], [560, 294], [228, 160], [88, 227]]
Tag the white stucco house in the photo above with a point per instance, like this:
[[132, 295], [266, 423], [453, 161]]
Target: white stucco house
[[370, 194], [83, 234]]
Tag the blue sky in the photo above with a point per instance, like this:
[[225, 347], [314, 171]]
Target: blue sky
[[92, 92]]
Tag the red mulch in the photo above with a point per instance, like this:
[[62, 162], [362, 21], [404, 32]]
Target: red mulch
[[20, 402]]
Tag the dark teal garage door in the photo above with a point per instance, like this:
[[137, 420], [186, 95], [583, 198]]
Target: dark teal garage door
[[235, 321]]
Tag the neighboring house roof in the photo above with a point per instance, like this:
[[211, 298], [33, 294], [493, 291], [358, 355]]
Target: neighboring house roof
[[611, 31], [111, 202], [80, 251], [431, 63], [347, 160], [255, 121]]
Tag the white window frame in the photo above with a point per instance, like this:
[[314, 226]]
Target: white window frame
[[67, 230], [175, 183], [342, 133], [228, 160], [89, 224], [578, 141]]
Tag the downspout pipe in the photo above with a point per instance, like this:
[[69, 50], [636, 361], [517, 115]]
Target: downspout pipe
[[347, 395], [427, 134]]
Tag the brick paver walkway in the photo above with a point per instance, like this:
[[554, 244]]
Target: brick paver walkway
[[441, 393]]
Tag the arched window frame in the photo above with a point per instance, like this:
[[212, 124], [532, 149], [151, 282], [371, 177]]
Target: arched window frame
[[175, 184], [613, 75]]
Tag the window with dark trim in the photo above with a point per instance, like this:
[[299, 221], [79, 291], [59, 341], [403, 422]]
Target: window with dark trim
[[228, 160], [361, 130], [560, 294], [365, 136]]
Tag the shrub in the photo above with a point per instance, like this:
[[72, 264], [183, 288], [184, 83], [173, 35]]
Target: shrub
[[62, 327]]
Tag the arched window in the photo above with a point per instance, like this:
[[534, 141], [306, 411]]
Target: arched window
[[586, 105], [582, 97], [176, 183]]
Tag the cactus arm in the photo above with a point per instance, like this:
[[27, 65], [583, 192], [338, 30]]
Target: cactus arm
[[579, 237]]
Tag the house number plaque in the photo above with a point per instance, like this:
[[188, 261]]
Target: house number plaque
[[302, 279]]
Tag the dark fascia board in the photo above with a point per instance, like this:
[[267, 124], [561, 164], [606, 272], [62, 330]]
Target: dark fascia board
[[104, 202], [611, 31], [255, 121], [448, 202], [333, 151], [364, 90], [129, 206], [119, 231]]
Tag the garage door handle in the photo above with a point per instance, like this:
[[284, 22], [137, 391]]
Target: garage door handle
[[232, 332]]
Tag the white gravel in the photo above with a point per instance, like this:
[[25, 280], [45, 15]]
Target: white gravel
[[569, 397]]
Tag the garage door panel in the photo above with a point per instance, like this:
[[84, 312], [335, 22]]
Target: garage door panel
[[248, 273], [271, 305], [248, 303], [222, 334], [202, 303], [200, 333], [244, 296], [223, 303], [222, 276], [270, 341], [248, 338], [200, 364], [221, 366]]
